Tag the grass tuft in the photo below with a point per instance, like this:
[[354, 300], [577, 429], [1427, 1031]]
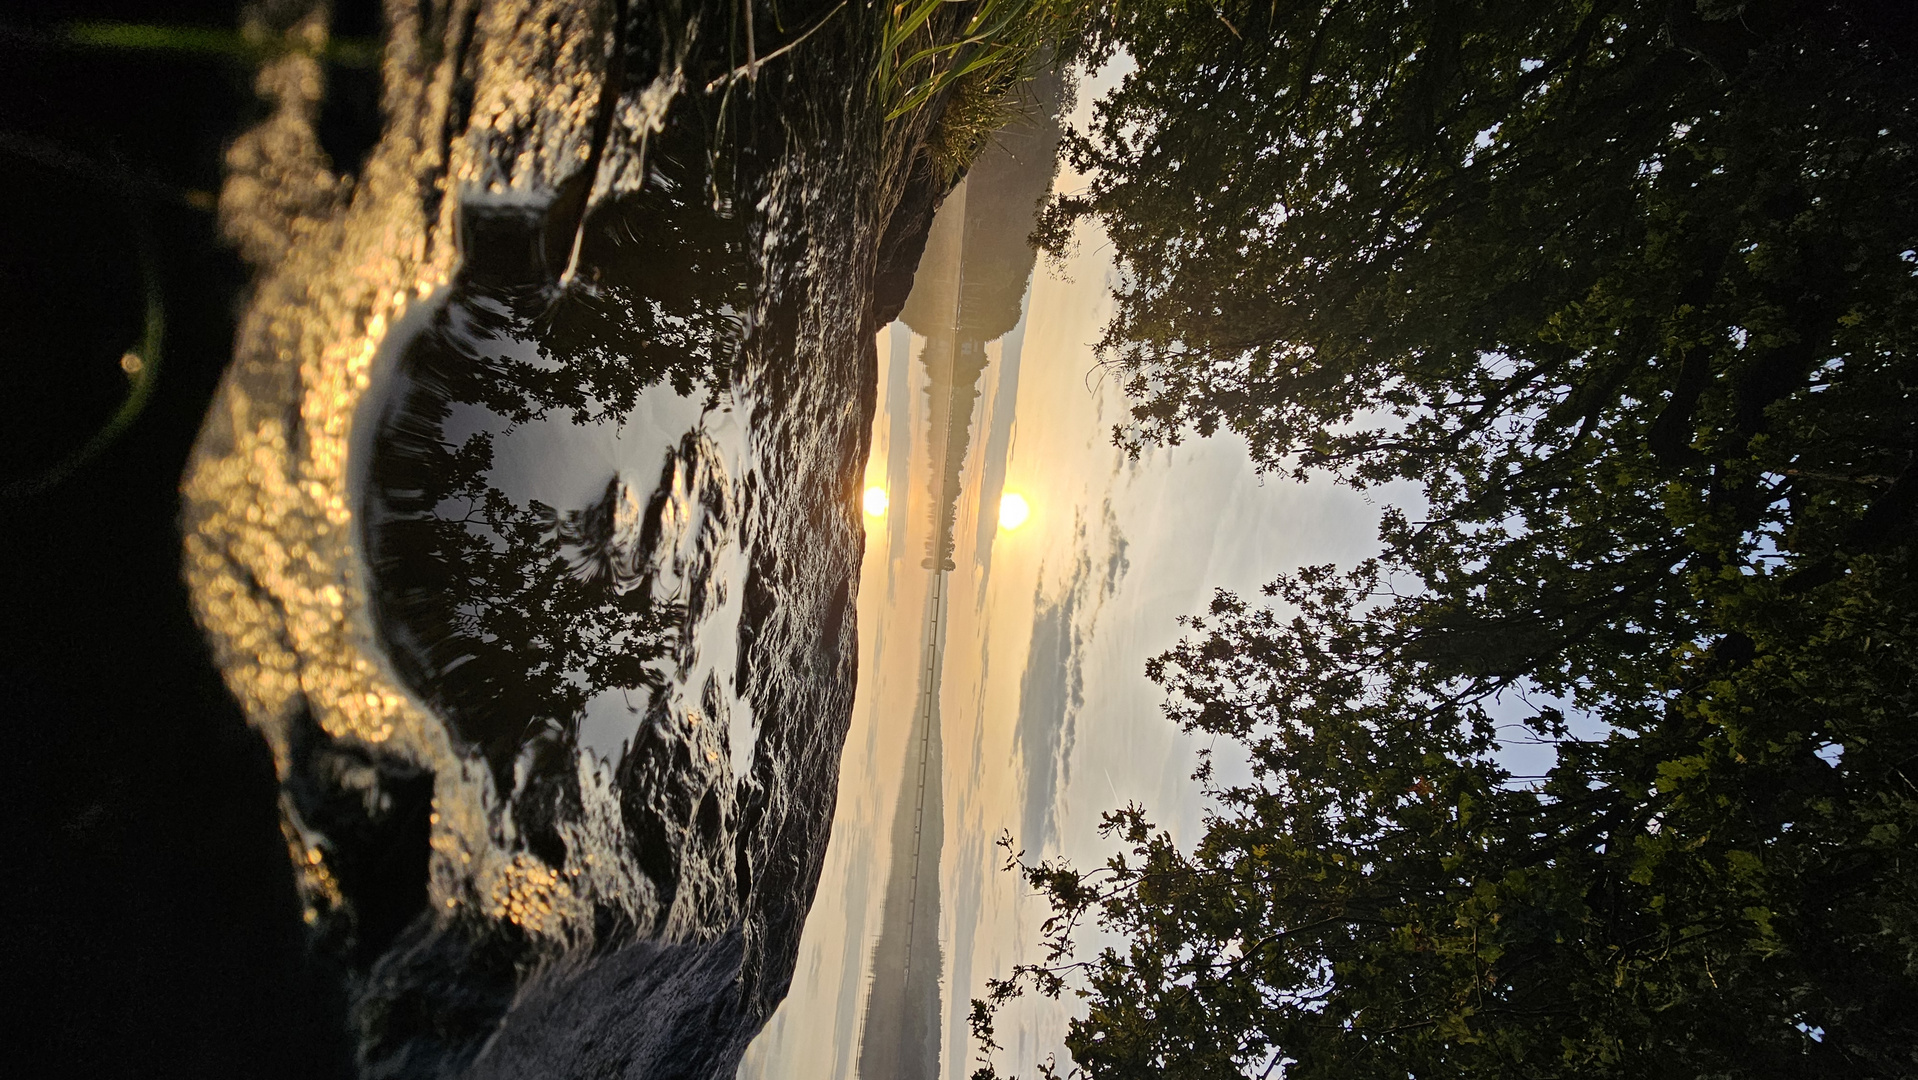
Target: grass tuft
[[966, 59]]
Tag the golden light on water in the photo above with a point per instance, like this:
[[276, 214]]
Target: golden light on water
[[876, 502], [1013, 510]]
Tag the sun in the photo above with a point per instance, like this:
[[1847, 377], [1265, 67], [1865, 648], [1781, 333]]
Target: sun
[[876, 502], [1013, 510]]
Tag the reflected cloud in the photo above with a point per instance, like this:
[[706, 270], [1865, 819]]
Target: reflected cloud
[[522, 465]]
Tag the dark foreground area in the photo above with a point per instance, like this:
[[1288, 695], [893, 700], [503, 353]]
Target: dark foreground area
[[153, 928], [566, 903]]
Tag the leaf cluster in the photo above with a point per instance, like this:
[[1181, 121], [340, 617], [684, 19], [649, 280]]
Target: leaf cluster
[[1626, 290], [1723, 885]]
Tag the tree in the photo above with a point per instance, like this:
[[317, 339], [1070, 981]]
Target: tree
[[1628, 290], [1724, 887]]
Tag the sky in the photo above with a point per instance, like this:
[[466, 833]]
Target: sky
[[1024, 688]]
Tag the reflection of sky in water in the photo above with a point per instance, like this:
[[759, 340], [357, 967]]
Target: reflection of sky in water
[[1046, 718], [566, 465]]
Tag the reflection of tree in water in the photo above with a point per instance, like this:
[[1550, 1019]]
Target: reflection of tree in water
[[509, 616], [976, 298], [967, 294], [661, 279]]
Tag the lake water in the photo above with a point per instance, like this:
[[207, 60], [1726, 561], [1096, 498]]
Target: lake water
[[572, 476], [1007, 695]]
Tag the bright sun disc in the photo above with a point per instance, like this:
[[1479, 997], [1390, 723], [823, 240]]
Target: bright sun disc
[[876, 502], [1013, 510]]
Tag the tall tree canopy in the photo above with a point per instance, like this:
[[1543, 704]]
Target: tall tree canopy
[[1628, 288]]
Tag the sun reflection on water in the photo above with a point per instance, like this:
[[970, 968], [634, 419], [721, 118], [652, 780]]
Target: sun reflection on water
[[1013, 510]]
